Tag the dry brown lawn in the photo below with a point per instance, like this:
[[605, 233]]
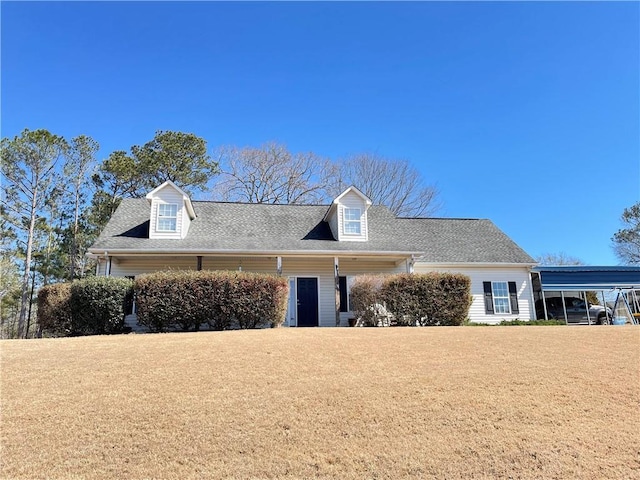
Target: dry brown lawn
[[498, 402]]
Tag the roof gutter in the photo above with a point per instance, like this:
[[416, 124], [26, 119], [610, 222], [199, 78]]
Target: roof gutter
[[262, 253], [476, 264]]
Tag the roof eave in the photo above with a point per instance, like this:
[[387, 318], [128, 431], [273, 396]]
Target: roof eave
[[476, 264], [271, 253]]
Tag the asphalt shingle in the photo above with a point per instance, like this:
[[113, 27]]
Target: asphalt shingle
[[241, 227]]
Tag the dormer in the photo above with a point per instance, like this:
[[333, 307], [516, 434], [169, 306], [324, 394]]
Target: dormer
[[347, 216], [171, 212]]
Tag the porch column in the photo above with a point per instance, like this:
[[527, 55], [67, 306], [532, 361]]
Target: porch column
[[279, 266], [336, 277], [410, 263], [199, 262], [107, 264]]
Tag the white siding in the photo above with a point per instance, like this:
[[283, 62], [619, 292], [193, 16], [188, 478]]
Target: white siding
[[352, 200], [134, 266], [168, 195], [478, 275], [333, 224]]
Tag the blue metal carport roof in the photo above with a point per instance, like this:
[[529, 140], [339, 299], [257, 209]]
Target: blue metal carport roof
[[581, 278]]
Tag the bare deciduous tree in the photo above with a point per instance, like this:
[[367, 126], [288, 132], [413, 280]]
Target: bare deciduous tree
[[271, 174], [80, 161], [393, 183], [555, 259]]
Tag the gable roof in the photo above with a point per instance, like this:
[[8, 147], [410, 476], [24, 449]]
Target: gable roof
[[169, 184], [244, 228], [334, 205]]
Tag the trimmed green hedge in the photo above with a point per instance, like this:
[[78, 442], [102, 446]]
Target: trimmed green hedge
[[221, 299], [428, 299], [92, 306], [99, 305], [413, 299], [539, 322]]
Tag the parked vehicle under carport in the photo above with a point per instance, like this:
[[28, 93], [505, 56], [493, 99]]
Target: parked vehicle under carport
[[576, 311]]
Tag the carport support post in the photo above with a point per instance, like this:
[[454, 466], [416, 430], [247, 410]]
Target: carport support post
[[544, 306], [604, 304], [564, 308], [586, 303], [336, 278]]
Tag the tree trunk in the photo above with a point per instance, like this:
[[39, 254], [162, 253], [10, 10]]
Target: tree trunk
[[27, 267], [74, 239]]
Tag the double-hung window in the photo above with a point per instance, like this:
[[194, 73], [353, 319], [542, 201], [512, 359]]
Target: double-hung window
[[500, 298], [167, 217], [352, 221]]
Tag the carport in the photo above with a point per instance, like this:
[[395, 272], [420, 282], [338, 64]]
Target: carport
[[579, 294]]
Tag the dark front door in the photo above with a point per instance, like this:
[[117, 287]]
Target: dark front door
[[307, 293]]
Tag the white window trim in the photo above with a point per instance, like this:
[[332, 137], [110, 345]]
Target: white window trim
[[167, 217], [494, 297], [345, 221]]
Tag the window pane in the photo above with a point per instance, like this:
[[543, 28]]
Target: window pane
[[352, 227], [352, 214], [165, 210], [502, 305], [500, 289], [167, 224]]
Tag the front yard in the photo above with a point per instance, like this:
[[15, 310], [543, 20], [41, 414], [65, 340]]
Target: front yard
[[445, 402]]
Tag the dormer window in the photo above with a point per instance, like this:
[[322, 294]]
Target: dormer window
[[347, 216], [167, 217], [352, 221]]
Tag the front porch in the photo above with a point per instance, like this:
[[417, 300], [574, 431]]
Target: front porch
[[318, 284]]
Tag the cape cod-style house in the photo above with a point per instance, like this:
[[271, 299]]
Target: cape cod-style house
[[319, 248]]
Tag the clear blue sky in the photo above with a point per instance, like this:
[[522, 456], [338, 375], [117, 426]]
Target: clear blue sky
[[524, 113]]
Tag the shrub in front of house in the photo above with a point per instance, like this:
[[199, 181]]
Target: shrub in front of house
[[54, 309], [163, 302], [428, 299], [539, 322], [366, 299], [257, 300], [98, 305], [189, 299]]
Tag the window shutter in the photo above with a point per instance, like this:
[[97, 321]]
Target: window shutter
[[513, 297], [488, 298], [343, 294]]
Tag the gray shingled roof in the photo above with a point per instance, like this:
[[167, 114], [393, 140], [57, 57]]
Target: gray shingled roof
[[241, 227]]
